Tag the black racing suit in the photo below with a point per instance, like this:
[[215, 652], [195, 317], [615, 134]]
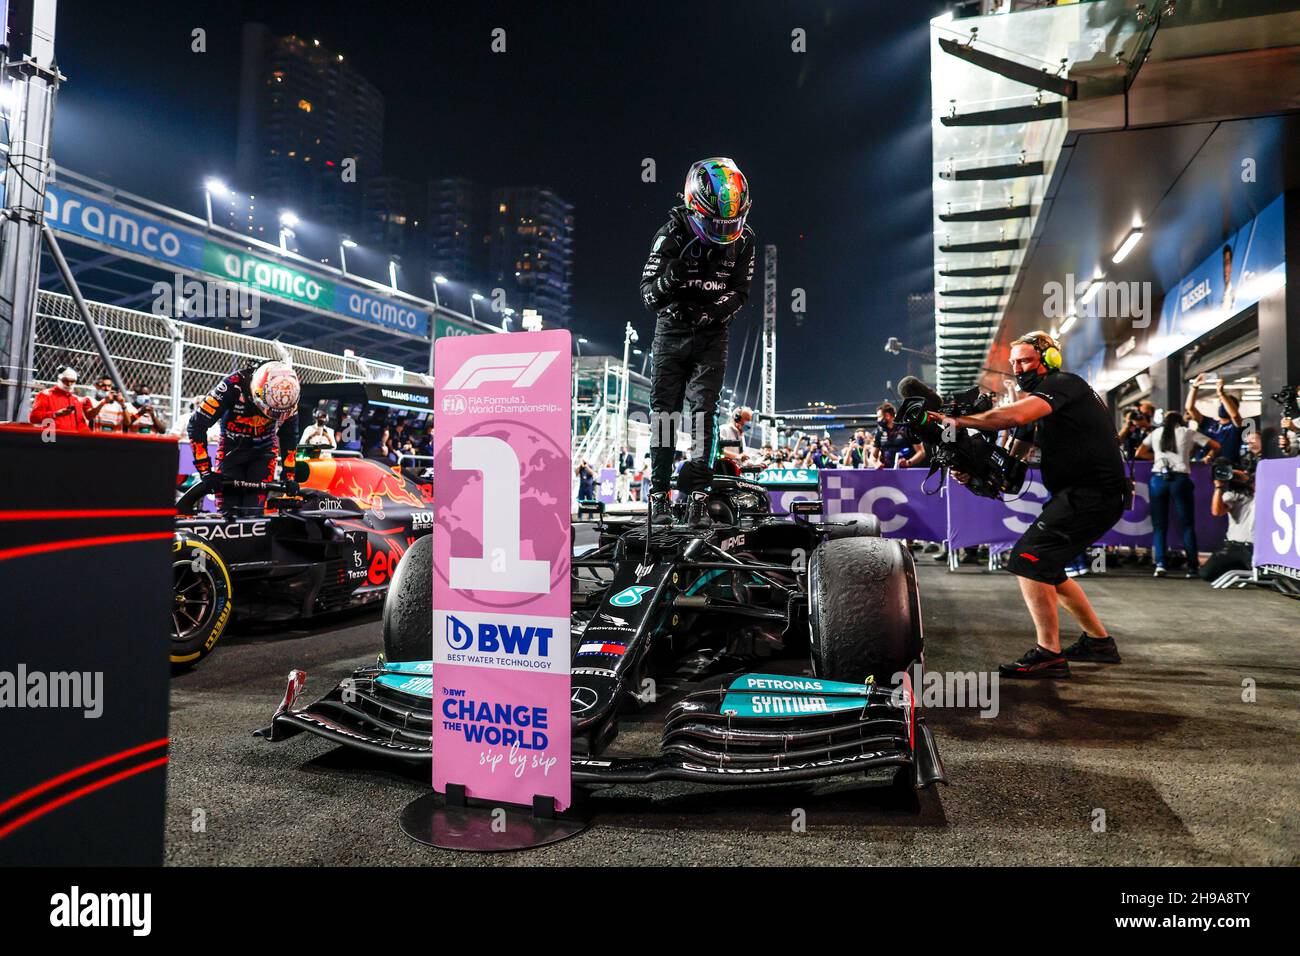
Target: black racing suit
[[249, 440], [695, 288]]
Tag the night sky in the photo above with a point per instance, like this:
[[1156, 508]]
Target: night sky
[[835, 141]]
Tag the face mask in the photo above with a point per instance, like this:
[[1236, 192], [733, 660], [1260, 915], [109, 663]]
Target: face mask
[[100, 394], [1028, 380]]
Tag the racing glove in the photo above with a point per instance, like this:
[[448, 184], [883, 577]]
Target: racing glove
[[202, 463], [674, 274]]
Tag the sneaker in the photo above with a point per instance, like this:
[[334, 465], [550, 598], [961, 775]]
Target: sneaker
[[1038, 661], [1093, 650], [1160, 571], [941, 555], [661, 511], [1193, 574], [697, 516]]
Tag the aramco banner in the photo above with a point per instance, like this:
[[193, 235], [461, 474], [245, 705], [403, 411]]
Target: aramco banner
[[501, 589]]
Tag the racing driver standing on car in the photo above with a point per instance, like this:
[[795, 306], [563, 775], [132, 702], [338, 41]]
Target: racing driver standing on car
[[257, 407], [695, 281]]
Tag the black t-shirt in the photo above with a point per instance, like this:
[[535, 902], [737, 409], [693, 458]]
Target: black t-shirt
[[1077, 440]]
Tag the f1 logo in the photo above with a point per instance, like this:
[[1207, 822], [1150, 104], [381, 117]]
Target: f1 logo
[[521, 369]]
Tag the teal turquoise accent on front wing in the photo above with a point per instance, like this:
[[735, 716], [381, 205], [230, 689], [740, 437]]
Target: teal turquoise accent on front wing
[[786, 705], [415, 685]]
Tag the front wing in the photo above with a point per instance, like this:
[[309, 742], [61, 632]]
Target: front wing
[[718, 735]]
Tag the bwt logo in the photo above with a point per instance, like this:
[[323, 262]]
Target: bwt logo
[[497, 638], [520, 369]]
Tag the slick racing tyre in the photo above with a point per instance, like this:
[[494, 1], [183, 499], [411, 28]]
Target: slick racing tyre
[[865, 611], [852, 526], [200, 600], [408, 605]]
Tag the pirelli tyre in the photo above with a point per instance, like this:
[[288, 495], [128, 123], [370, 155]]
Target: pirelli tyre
[[864, 610], [408, 605], [852, 526], [201, 595]]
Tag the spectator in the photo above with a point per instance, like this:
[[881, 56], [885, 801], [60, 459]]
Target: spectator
[[896, 449], [1236, 499], [1170, 448], [61, 404], [110, 412], [645, 479], [384, 450], [586, 482], [856, 453], [319, 434], [150, 420], [1226, 430]]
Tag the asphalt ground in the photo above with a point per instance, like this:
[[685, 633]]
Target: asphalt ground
[[1157, 761]]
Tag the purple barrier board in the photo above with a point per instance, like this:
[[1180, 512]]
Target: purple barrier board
[[501, 591], [907, 504], [1277, 513], [781, 500], [606, 488], [973, 520]]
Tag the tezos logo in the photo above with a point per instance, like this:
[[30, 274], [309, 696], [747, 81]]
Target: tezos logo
[[497, 638], [630, 597]]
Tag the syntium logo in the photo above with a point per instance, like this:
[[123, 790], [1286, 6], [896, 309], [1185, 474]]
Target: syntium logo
[[520, 369], [488, 638]]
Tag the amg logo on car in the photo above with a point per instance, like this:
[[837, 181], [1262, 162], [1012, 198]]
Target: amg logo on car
[[256, 529], [498, 638], [735, 542]]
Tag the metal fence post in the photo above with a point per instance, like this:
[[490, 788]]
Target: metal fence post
[[178, 365]]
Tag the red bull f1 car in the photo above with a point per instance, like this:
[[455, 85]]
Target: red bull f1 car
[[784, 649], [330, 540]]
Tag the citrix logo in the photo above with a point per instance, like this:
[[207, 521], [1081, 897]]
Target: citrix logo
[[497, 638], [520, 369]]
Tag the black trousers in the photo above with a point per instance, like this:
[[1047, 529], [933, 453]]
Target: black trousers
[[1072, 520], [689, 365], [1233, 556], [244, 464]]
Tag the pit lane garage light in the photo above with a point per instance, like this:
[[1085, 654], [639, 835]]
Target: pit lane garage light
[[1125, 247], [288, 219], [1090, 291], [215, 186], [1068, 323], [440, 279], [348, 243]]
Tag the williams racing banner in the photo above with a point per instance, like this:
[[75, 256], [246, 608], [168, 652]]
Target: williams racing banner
[[1277, 513], [501, 566]]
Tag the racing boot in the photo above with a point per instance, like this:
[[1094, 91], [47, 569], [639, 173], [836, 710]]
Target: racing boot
[[661, 511], [697, 513]]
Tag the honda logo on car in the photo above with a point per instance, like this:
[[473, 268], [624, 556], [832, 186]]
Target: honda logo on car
[[507, 641]]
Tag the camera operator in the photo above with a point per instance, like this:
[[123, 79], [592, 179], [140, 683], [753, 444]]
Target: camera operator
[[110, 411], [1234, 496], [1288, 439], [1082, 468]]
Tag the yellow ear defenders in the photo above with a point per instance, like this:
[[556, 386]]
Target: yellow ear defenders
[[1050, 353]]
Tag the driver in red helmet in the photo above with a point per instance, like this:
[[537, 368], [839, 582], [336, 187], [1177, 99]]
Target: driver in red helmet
[[695, 281], [257, 407]]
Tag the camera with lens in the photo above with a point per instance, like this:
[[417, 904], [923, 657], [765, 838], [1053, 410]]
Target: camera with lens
[[1289, 401], [1222, 470], [993, 470]]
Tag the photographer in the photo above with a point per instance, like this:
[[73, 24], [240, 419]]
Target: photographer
[[1137, 425], [110, 411], [61, 404], [1083, 471], [1234, 496], [895, 444]]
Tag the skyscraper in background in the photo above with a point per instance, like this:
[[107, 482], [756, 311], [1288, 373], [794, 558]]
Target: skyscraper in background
[[531, 254], [393, 214], [457, 230], [303, 111]]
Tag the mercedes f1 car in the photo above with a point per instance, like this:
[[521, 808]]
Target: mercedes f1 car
[[702, 615], [328, 541]]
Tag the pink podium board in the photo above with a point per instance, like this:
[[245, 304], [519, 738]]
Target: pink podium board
[[501, 587]]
